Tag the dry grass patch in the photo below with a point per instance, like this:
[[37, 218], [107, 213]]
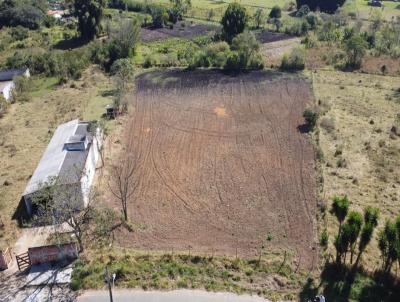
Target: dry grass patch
[[26, 129], [360, 148]]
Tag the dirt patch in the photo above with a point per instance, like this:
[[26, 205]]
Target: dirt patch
[[182, 29], [268, 36], [222, 184], [274, 51]]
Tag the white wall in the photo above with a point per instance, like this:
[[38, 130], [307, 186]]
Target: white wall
[[7, 89], [90, 169]]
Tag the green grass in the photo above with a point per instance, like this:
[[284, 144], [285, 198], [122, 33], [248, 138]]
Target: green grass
[[42, 85], [166, 271], [170, 52]]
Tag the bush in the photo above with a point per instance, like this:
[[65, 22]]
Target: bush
[[310, 40], [328, 6], [297, 27], [295, 61], [323, 241], [214, 55], [159, 16], [275, 12], [311, 117], [27, 13], [19, 33], [55, 63], [303, 11]]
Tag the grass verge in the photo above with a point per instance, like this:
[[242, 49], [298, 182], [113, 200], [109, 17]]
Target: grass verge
[[271, 277]]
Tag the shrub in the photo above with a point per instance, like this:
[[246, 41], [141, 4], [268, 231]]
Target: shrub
[[149, 61], [275, 12], [297, 27], [294, 61], [323, 241], [311, 117], [19, 33], [159, 16], [355, 49], [310, 40], [303, 11], [324, 5]]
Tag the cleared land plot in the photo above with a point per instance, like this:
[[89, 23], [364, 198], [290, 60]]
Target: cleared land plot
[[182, 29], [223, 163]]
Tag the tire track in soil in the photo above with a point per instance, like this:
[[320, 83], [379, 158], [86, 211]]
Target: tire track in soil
[[213, 166]]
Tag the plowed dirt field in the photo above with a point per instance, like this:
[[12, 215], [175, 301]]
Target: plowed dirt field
[[224, 163]]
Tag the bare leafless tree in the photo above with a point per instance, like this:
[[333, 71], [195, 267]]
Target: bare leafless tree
[[124, 181], [59, 201]]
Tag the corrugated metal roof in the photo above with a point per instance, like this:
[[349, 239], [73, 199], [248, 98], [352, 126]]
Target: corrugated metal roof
[[57, 161], [8, 75]]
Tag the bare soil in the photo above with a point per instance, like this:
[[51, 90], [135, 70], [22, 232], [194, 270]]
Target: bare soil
[[182, 29], [267, 36], [224, 164]]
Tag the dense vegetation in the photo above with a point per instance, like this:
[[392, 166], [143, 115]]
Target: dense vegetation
[[329, 6], [28, 13]]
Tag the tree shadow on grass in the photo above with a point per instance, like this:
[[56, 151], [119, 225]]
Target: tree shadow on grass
[[72, 43], [340, 283]]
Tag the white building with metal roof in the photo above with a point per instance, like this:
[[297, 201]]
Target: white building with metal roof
[[71, 156]]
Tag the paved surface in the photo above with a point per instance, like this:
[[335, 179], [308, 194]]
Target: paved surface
[[46, 274], [43, 283], [170, 296]]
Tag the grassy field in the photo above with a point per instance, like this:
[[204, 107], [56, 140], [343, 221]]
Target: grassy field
[[360, 153], [272, 277], [27, 127]]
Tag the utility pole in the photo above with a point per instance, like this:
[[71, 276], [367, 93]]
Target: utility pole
[[109, 284]]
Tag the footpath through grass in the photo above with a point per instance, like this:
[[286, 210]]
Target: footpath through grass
[[271, 277]]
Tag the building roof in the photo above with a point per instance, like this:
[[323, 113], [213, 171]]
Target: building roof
[[57, 161], [8, 75]]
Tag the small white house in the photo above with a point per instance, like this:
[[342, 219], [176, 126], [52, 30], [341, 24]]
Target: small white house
[[71, 156], [7, 80]]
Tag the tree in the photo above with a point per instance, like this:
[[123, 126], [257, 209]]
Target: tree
[[354, 224], [234, 21], [125, 37], [258, 17], [124, 181], [355, 48], [123, 72], [27, 13], [275, 13], [179, 8], [340, 208], [59, 200], [159, 16], [371, 216], [389, 244], [89, 14]]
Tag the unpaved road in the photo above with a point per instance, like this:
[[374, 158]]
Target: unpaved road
[[171, 296], [222, 164]]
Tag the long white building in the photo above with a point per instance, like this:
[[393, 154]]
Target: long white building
[[71, 157]]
